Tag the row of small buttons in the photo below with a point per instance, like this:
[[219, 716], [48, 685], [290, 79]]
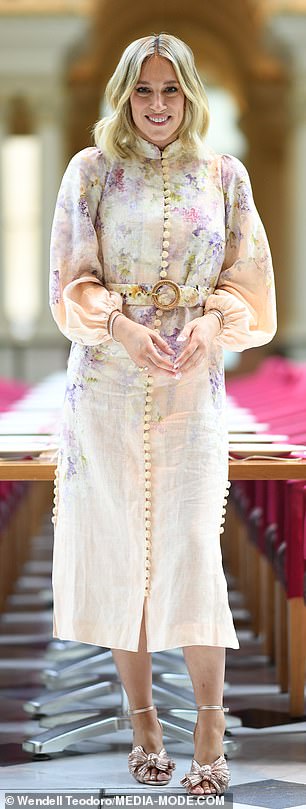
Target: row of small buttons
[[55, 498], [149, 384], [227, 488], [147, 457]]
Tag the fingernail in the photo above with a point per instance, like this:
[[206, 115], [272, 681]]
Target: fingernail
[[181, 337], [178, 376]]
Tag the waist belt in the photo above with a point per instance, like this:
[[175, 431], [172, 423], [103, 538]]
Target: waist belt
[[165, 294]]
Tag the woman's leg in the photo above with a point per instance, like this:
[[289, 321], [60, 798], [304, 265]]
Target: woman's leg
[[206, 666], [135, 672]]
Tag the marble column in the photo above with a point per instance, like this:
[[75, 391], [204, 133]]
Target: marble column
[[288, 32], [264, 124], [49, 122]]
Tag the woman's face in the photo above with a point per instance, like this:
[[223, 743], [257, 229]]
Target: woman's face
[[157, 102]]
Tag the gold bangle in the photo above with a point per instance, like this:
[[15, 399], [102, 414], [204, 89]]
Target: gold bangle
[[109, 317], [219, 315], [110, 323]]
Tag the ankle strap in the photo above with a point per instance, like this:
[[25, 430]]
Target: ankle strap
[[141, 710], [212, 708]]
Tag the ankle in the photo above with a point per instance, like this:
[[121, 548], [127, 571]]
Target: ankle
[[210, 725], [147, 711], [147, 719]]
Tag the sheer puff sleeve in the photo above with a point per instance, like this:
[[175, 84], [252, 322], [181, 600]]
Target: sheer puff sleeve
[[245, 291], [79, 302]]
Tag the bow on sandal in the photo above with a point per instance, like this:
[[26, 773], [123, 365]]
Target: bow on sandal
[[140, 763], [216, 774]]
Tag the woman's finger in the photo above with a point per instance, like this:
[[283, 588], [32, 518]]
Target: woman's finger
[[158, 340], [161, 362], [185, 356], [157, 368], [192, 363]]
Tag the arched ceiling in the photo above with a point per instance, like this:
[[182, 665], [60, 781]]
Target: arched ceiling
[[261, 7], [226, 39]]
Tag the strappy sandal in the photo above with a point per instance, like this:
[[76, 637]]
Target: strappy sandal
[[217, 774], [140, 762]]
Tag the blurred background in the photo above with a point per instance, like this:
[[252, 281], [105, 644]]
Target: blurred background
[[56, 57]]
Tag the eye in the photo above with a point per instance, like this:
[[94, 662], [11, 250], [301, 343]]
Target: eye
[[171, 89], [142, 90]]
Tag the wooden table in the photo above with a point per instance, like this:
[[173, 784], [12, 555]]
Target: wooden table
[[262, 469], [290, 616]]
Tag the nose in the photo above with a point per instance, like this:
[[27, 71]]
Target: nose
[[157, 104]]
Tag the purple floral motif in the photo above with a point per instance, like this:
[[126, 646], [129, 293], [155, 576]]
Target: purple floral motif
[[86, 354], [74, 458], [244, 197], [146, 316], [172, 343], [216, 378], [192, 181], [216, 245], [85, 213], [202, 225], [83, 208], [71, 470], [116, 179], [227, 207], [198, 230], [71, 393], [55, 289]]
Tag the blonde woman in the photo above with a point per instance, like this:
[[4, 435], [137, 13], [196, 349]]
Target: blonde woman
[[159, 260]]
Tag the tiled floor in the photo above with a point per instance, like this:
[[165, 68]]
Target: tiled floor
[[268, 769]]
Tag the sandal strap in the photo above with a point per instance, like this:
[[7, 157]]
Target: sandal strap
[[212, 708], [141, 710]]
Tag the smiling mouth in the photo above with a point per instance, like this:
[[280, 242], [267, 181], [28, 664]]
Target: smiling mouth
[[158, 120]]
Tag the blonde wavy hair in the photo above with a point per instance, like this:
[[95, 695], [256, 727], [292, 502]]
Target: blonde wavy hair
[[116, 134]]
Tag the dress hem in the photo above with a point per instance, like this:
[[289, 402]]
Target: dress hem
[[160, 648]]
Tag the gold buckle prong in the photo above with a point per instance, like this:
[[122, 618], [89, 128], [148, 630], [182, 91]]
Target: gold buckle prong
[[173, 285]]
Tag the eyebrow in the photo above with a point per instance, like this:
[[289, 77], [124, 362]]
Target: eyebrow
[[171, 81]]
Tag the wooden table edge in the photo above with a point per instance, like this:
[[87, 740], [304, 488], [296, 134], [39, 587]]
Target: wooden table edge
[[260, 469]]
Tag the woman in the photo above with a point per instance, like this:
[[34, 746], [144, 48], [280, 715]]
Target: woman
[[159, 260]]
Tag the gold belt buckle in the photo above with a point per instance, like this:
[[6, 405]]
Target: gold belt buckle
[[168, 283]]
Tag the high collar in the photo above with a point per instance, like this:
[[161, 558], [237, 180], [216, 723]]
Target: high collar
[[149, 149], [173, 150]]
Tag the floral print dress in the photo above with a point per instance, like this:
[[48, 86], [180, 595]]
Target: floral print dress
[[110, 561]]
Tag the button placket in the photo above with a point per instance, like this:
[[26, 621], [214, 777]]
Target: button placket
[[55, 498], [149, 380], [226, 494], [147, 481]]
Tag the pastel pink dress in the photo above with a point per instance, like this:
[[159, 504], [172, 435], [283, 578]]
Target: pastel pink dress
[[110, 561]]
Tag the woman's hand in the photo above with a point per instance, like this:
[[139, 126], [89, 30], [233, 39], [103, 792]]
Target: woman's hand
[[200, 331], [140, 341]]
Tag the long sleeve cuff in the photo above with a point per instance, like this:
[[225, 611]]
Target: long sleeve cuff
[[83, 313], [242, 324]]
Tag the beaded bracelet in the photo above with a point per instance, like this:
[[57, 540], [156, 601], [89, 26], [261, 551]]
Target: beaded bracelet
[[110, 323], [219, 315]]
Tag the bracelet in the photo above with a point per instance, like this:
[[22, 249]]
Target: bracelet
[[219, 315], [110, 323], [110, 317]]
